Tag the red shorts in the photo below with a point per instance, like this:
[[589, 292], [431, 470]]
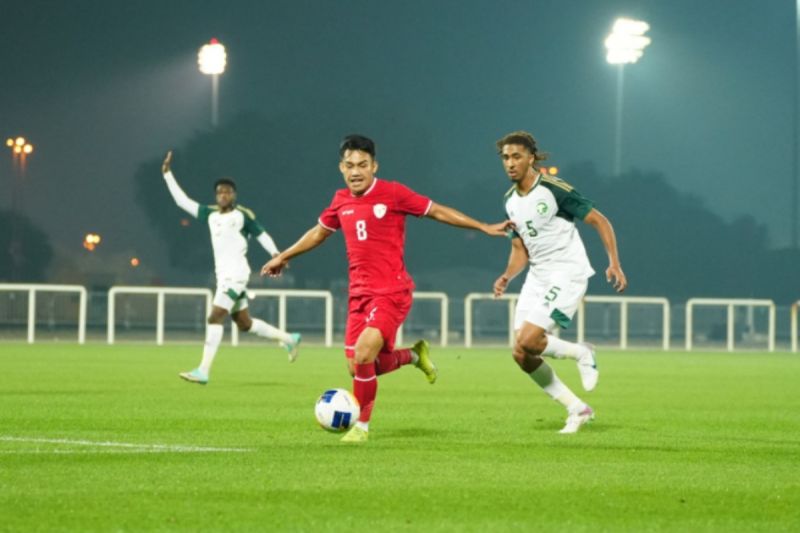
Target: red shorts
[[386, 312]]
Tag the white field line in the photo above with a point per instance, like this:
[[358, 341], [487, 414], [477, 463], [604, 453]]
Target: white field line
[[126, 446]]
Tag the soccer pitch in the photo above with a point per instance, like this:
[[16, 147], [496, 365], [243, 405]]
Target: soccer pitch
[[102, 437]]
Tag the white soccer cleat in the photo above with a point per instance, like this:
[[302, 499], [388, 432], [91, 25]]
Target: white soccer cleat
[[576, 420], [587, 367]]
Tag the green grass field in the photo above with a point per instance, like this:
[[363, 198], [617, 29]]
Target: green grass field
[[682, 442]]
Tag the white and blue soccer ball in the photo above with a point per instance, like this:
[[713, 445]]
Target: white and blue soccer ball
[[337, 410]]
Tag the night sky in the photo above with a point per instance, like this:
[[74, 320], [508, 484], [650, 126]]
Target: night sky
[[101, 87]]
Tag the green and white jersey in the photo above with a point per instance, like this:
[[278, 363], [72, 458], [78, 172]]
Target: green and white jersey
[[229, 235], [544, 218]]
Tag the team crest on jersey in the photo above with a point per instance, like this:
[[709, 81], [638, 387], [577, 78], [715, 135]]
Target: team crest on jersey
[[379, 210], [541, 208]]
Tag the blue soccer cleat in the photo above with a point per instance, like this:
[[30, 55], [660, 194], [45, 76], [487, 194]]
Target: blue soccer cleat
[[195, 376], [293, 346]]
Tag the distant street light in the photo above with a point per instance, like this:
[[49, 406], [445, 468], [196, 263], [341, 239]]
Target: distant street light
[[91, 241], [625, 44], [212, 60]]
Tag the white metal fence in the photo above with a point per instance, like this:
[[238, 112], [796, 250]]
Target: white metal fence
[[580, 318], [444, 319], [282, 295], [160, 293], [730, 304], [747, 322], [33, 288]]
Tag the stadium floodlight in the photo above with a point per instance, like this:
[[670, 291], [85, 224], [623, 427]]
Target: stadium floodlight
[[627, 41], [625, 45], [212, 60]]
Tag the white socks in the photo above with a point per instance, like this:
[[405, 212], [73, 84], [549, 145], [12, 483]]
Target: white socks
[[546, 378], [560, 349], [262, 329], [213, 338]]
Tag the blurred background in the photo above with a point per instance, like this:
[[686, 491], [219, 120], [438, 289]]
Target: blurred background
[[692, 151]]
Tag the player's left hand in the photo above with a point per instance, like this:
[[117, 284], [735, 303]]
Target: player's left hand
[[274, 267], [498, 230], [616, 277]]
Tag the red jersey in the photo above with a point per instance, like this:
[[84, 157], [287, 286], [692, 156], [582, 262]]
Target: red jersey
[[374, 226]]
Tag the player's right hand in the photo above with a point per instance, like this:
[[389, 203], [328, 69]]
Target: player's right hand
[[500, 285], [166, 164]]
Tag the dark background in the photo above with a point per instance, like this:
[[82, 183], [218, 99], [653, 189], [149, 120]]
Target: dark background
[[103, 89]]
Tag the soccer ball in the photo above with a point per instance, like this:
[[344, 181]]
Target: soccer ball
[[337, 410]]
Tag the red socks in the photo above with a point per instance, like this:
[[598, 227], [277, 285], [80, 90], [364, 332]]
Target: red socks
[[365, 388], [365, 382], [389, 362]]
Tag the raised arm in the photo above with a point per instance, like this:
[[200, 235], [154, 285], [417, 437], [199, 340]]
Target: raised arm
[[310, 240], [614, 273], [451, 216], [517, 260], [180, 197]]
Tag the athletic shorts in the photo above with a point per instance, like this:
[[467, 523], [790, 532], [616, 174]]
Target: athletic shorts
[[549, 301], [231, 295], [385, 312]]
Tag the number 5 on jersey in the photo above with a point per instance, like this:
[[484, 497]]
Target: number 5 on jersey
[[361, 230]]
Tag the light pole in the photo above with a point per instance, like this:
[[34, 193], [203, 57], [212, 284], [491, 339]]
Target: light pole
[[20, 150], [212, 60], [796, 123], [625, 44]]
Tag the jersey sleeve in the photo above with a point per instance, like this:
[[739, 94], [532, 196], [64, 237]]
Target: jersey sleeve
[[203, 211], [411, 202], [251, 225], [575, 204], [329, 219]]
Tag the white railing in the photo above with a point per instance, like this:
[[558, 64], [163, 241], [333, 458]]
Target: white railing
[[160, 293], [623, 302], [473, 296], [282, 295], [33, 288], [793, 314], [444, 303], [730, 303]]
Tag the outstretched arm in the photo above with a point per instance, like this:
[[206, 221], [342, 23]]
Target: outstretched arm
[[267, 243], [180, 197], [516, 263], [451, 216], [614, 273], [310, 240]]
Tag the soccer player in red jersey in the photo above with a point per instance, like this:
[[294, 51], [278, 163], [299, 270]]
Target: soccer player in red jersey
[[371, 213]]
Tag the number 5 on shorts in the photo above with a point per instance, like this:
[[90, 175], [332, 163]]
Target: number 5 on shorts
[[552, 294]]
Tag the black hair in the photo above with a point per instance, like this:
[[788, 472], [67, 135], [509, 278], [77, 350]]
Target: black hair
[[357, 142], [522, 138], [225, 181]]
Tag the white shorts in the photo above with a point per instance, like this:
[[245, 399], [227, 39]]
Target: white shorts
[[549, 300], [231, 295]]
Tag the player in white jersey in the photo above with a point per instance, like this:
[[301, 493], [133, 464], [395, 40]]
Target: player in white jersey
[[231, 226], [543, 209]]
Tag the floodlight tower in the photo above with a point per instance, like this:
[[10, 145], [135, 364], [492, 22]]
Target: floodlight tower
[[625, 44], [212, 60]]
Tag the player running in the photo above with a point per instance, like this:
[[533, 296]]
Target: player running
[[543, 209], [371, 213], [231, 226]]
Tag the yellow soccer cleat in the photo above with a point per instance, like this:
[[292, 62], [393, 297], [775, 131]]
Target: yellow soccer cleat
[[356, 435], [424, 363]]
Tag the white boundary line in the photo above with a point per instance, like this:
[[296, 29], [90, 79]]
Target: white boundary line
[[135, 448]]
